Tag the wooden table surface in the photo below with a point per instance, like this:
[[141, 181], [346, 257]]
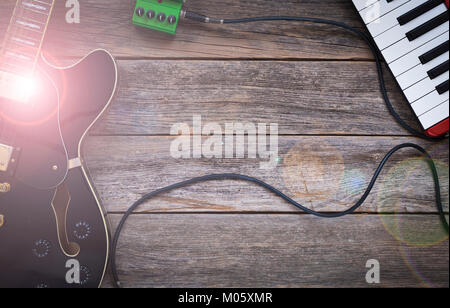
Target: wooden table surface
[[319, 84]]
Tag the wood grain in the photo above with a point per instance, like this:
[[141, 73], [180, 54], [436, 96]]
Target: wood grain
[[323, 173], [107, 24], [304, 98], [160, 250]]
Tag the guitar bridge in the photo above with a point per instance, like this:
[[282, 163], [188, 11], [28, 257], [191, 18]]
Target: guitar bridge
[[6, 153]]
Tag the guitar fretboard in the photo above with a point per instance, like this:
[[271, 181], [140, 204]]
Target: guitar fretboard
[[24, 37]]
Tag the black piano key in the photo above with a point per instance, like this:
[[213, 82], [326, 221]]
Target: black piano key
[[434, 53], [416, 12], [428, 26], [439, 70], [443, 87]]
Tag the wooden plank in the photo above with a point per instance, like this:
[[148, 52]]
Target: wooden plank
[[302, 97], [323, 173], [107, 24], [280, 251]]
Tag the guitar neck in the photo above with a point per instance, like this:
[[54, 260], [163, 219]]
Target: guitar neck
[[25, 35]]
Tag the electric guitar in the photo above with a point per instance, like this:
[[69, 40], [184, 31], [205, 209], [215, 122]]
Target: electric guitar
[[53, 231]]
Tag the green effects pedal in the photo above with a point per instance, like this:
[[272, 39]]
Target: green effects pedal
[[160, 15]]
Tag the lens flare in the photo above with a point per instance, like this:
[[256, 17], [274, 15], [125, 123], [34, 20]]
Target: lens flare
[[415, 242], [313, 173], [27, 87]]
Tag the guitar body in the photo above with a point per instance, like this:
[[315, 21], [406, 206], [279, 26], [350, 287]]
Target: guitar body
[[52, 227]]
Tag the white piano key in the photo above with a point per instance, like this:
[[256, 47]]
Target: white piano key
[[434, 116], [411, 59], [420, 72], [428, 102], [398, 32], [404, 46], [361, 4], [380, 8], [424, 87], [389, 20]]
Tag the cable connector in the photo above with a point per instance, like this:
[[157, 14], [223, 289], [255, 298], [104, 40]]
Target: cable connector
[[201, 18]]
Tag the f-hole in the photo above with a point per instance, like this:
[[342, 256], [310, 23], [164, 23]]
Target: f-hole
[[60, 204]]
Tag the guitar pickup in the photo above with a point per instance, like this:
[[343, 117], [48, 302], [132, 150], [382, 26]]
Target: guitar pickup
[[6, 153]]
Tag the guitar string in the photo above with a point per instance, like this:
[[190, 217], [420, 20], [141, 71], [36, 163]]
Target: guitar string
[[6, 135], [20, 31]]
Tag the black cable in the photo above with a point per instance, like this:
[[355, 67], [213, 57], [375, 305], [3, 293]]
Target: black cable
[[431, 164], [361, 34], [211, 177]]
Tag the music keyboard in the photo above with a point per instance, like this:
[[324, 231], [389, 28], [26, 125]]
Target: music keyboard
[[413, 37]]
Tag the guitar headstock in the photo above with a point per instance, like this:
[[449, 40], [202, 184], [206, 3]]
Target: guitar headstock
[[21, 48]]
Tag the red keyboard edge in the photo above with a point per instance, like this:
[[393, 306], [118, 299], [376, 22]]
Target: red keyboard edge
[[439, 129]]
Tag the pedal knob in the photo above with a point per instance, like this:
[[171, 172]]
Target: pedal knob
[[140, 12], [151, 14], [161, 17], [172, 20]]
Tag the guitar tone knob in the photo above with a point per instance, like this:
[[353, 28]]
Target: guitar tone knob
[[42, 248], [82, 230], [85, 275]]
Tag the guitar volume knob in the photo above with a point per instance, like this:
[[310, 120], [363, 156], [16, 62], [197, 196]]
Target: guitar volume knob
[[82, 230], [42, 285], [42, 248]]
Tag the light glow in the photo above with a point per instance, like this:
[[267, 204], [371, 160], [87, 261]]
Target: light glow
[[17, 88], [26, 86]]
